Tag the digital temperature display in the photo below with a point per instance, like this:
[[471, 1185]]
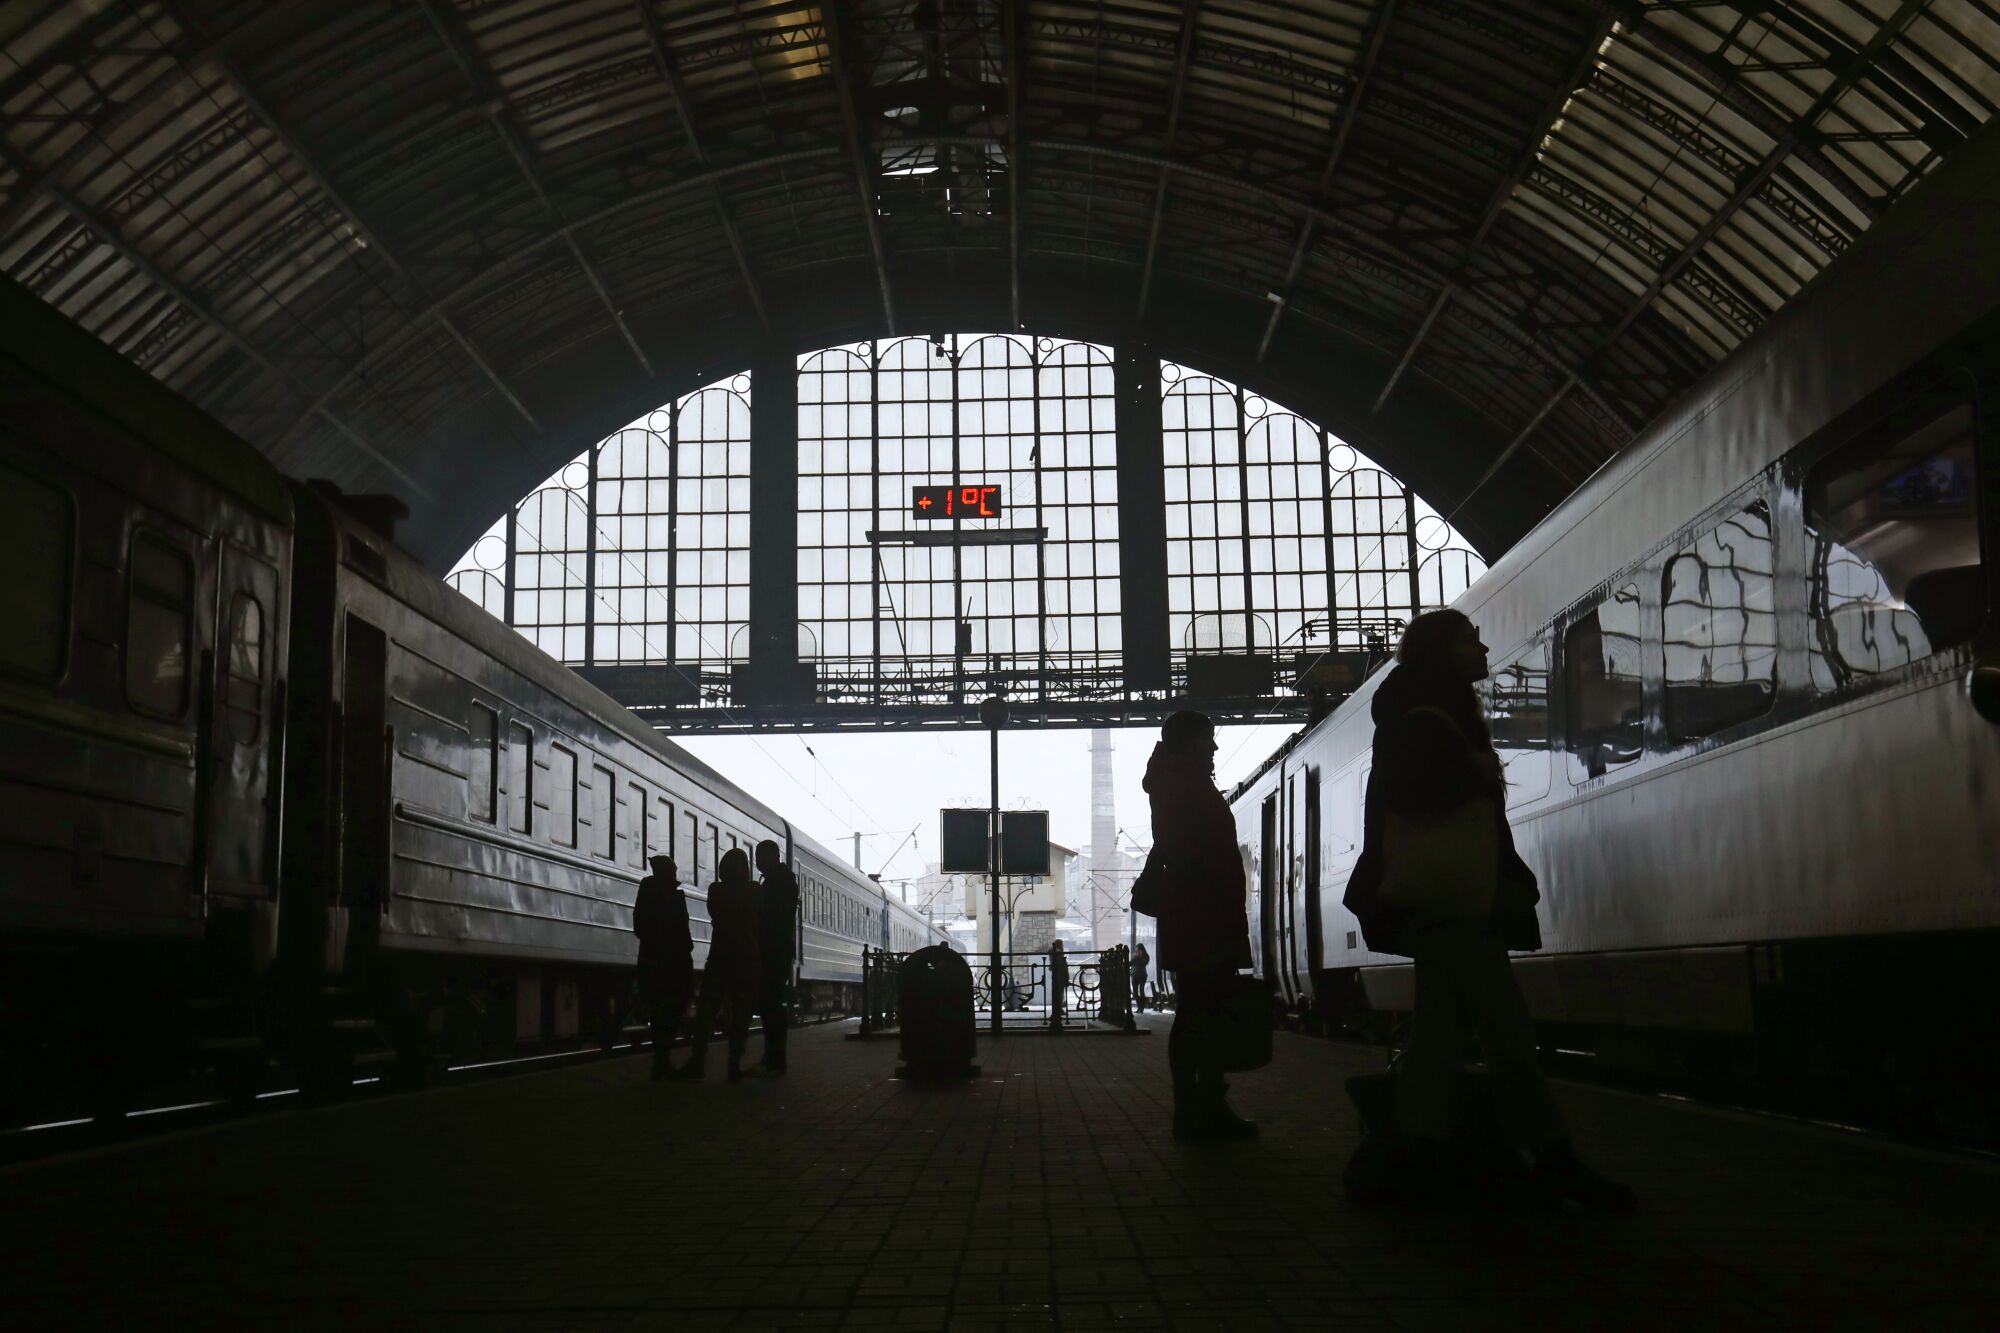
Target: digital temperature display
[[955, 501]]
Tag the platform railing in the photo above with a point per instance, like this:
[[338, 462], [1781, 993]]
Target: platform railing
[[1098, 992]]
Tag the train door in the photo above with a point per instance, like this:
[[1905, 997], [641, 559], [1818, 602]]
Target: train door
[[365, 746], [1289, 877], [1315, 955], [1267, 898], [240, 818]]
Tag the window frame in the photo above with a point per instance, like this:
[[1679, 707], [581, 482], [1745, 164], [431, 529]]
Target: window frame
[[557, 833], [147, 532], [1915, 400], [66, 630], [493, 765], [525, 826], [1575, 768], [1681, 546]]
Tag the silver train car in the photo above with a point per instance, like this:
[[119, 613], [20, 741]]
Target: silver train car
[[475, 818], [273, 789], [1743, 682]]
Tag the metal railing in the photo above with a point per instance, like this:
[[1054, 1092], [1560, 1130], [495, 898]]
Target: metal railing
[[1098, 992]]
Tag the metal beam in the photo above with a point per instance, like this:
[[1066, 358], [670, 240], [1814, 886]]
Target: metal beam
[[173, 287], [368, 231], [1377, 250], [670, 74], [1788, 141], [1719, 78], [850, 120], [1017, 75], [445, 22], [1524, 161], [105, 126], [1350, 111], [1183, 57]]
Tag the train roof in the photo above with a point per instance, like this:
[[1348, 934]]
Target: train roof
[[49, 345], [1955, 201], [409, 581]]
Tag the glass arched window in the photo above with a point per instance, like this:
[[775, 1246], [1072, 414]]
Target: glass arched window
[[1281, 539]]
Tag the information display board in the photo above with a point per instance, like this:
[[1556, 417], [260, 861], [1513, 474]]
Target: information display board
[[949, 502], [963, 848]]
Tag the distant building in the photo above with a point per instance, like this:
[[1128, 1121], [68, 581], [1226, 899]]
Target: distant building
[[1029, 904]]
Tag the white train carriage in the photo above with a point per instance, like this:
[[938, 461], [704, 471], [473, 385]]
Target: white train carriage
[[1742, 684]]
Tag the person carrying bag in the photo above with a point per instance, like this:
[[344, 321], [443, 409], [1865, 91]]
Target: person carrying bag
[[1193, 882], [1439, 881]]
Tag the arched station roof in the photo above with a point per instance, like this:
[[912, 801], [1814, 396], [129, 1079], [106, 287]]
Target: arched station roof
[[433, 246]]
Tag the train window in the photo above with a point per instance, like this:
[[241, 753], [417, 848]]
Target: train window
[[635, 836], [1517, 708], [158, 625], [520, 777], [604, 811], [243, 684], [37, 537], [690, 854], [660, 833], [1602, 684], [483, 735], [715, 850], [1719, 627], [562, 795], [1894, 566]]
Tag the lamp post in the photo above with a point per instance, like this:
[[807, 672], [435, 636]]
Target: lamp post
[[993, 716]]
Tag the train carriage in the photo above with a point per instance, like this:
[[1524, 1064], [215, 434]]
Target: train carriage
[[1741, 684]]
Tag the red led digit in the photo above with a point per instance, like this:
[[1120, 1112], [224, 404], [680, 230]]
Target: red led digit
[[986, 493]]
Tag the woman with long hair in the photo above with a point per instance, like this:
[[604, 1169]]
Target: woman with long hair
[[1439, 881], [729, 980]]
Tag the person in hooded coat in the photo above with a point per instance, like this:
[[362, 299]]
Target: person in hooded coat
[[1433, 753], [1204, 924]]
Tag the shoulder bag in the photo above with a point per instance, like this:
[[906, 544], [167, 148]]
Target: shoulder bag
[[1445, 866]]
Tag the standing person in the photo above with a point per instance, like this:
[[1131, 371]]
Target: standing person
[[729, 981], [666, 956], [1058, 984], [1204, 933], [1140, 961], [778, 924], [1434, 757]]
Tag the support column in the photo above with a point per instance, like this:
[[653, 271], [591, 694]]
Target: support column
[[1142, 519], [774, 528]]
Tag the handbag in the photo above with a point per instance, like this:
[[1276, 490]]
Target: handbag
[[1237, 1031], [1146, 889], [1446, 866]]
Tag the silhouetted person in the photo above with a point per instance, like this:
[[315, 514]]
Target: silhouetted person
[[778, 922], [1141, 960], [729, 982], [1204, 933], [1058, 984], [666, 956], [1434, 755]]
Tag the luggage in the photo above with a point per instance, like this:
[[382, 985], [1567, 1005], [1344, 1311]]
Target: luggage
[[1237, 1031], [934, 1003]]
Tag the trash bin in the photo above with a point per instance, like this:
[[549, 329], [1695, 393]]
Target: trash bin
[[934, 995]]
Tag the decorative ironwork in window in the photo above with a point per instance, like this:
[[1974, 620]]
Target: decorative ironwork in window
[[1280, 538]]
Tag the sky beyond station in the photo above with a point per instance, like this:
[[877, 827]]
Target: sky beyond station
[[886, 785]]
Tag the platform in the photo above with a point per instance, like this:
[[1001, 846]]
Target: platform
[[1046, 1194]]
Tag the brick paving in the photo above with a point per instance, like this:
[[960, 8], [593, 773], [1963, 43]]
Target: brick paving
[[1048, 1193]]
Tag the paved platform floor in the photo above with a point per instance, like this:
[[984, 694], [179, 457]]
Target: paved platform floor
[[1046, 1194]]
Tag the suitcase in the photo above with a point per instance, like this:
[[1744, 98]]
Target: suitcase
[[934, 1002]]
